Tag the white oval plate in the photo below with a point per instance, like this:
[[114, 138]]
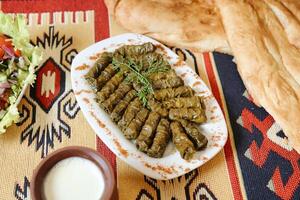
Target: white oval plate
[[171, 165]]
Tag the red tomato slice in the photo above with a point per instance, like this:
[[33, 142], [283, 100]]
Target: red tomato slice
[[5, 41], [18, 53], [1, 53], [2, 40]]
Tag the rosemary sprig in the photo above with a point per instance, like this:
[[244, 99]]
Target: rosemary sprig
[[138, 73]]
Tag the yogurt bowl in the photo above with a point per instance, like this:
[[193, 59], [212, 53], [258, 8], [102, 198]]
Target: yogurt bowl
[[73, 172]]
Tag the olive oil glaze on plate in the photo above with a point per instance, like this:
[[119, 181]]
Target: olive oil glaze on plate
[[171, 165]]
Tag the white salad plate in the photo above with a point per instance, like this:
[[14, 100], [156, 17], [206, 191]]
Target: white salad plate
[[171, 165]]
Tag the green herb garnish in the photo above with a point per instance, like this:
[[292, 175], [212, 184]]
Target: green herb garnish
[[138, 70]]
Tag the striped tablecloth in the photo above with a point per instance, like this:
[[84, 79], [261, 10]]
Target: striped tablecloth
[[256, 163]]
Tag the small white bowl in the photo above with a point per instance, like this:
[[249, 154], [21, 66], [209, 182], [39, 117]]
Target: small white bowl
[[171, 165]]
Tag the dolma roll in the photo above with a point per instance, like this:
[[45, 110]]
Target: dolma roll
[[132, 50], [183, 102], [120, 108], [169, 93], [105, 76], [135, 126], [130, 112], [193, 132], [181, 141], [192, 114], [145, 139], [154, 59], [161, 139], [109, 87], [101, 63], [167, 83], [163, 75], [109, 104], [137, 86], [157, 107]]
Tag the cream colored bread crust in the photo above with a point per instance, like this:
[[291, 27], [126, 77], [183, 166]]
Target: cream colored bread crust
[[288, 21], [282, 51], [293, 6], [265, 77], [193, 24]]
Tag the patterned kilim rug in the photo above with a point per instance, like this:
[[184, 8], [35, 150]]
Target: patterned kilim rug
[[256, 163]]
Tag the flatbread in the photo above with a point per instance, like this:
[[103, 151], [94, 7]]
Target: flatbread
[[293, 6], [193, 24], [288, 20], [264, 76], [289, 54]]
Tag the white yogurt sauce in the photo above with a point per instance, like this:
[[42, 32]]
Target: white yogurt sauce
[[73, 178]]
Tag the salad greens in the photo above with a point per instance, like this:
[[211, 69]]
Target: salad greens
[[18, 59]]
